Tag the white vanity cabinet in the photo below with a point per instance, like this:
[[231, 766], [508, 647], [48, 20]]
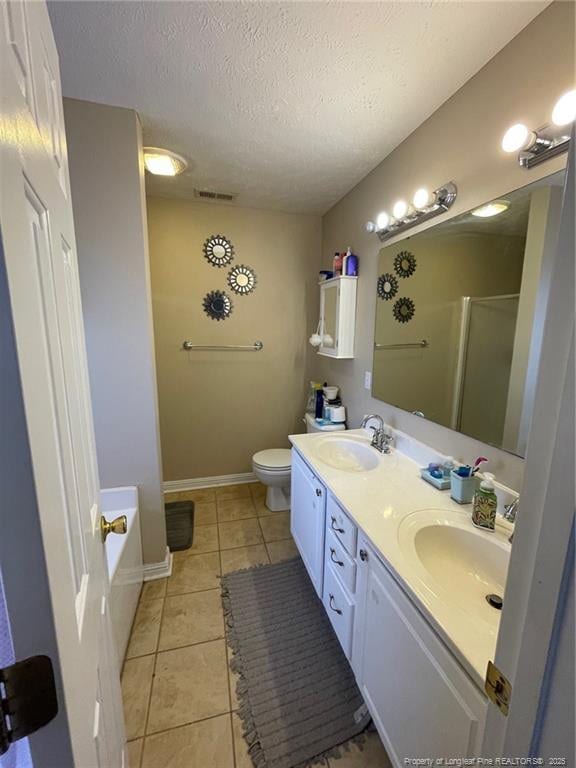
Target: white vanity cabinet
[[421, 700], [338, 316], [307, 517]]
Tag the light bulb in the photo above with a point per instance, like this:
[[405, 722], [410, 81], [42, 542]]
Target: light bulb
[[564, 111], [422, 198], [163, 162], [491, 209], [400, 209], [517, 137], [382, 220]]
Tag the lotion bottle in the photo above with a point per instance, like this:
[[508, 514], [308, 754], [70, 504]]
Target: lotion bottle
[[485, 504]]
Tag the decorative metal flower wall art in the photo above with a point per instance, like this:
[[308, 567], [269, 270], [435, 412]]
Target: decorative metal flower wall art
[[387, 286], [403, 309], [217, 305], [405, 264], [218, 251], [242, 279]]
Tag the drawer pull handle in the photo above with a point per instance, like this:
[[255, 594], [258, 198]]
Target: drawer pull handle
[[336, 610], [334, 528], [338, 562], [318, 492], [363, 555]]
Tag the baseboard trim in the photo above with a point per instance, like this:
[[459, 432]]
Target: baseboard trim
[[160, 570], [172, 486]]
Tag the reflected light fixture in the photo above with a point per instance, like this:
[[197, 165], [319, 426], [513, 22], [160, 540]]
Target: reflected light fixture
[[550, 140], [491, 209], [163, 162], [425, 205]]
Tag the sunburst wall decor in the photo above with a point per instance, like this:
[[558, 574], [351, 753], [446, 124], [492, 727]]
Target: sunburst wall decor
[[218, 251], [242, 279], [387, 286], [217, 305]]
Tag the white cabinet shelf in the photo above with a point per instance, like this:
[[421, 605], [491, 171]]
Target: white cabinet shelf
[[338, 316]]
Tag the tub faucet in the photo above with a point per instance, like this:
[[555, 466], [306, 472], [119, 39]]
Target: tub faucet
[[380, 439], [510, 512]]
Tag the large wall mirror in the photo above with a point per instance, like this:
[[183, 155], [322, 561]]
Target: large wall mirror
[[459, 314]]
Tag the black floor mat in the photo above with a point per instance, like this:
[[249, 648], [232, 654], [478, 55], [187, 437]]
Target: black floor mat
[[179, 524]]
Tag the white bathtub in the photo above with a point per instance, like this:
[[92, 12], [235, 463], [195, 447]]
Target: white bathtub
[[124, 556]]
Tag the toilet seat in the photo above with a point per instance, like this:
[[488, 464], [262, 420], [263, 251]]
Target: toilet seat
[[273, 459]]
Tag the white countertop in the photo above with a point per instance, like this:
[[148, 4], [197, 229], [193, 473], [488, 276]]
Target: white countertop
[[378, 501]]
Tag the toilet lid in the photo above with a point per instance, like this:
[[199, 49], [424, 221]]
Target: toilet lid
[[273, 458]]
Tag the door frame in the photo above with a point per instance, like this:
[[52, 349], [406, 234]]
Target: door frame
[[542, 537]]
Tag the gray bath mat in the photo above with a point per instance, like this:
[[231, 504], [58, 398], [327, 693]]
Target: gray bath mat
[[298, 697]]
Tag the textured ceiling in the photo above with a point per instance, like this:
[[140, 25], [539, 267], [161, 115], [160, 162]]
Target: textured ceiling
[[288, 105]]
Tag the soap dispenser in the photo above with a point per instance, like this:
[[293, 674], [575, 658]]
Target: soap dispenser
[[485, 504]]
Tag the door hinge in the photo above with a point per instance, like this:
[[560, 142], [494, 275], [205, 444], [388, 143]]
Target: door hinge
[[27, 699], [498, 688]]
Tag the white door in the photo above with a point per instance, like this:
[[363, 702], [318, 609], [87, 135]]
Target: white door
[[39, 248], [307, 515]]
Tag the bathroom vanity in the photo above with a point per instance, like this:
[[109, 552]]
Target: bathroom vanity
[[403, 575]]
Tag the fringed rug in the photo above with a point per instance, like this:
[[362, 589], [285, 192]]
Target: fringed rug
[[298, 697]]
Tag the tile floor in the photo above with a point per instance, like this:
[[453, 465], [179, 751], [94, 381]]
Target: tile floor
[[179, 695]]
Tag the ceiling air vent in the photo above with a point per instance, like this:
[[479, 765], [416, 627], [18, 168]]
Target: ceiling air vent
[[206, 194]]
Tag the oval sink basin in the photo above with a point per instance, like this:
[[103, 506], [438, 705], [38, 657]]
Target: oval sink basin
[[461, 564], [347, 454]]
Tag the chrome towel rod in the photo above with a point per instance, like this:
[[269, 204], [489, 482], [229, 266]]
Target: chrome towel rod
[[420, 344], [190, 347]]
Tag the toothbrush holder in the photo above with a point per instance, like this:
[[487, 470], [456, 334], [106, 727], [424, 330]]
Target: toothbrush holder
[[462, 489]]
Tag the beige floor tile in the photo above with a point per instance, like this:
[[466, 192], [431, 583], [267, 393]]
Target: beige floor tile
[[194, 573], [233, 678], [261, 508], [243, 759], [205, 513], [199, 494], [205, 540], [189, 684], [235, 509], [243, 557], [281, 550], [241, 491], [193, 618], [144, 636], [135, 753], [373, 755], [136, 682], [152, 590], [258, 490], [201, 745], [276, 527], [240, 533]]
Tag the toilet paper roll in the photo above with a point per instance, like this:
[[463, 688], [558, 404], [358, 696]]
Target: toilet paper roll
[[338, 414]]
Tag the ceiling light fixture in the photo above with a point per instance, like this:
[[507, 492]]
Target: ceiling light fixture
[[163, 162], [491, 209], [552, 139], [425, 206]]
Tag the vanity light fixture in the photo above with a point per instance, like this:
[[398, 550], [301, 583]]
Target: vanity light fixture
[[424, 206], [163, 162], [552, 139], [491, 209]]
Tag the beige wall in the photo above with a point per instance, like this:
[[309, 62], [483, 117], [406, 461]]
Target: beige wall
[[107, 179], [460, 141], [218, 408]]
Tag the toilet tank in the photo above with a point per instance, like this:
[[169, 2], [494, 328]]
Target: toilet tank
[[313, 426]]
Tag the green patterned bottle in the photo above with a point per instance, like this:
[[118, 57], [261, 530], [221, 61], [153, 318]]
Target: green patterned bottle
[[485, 504]]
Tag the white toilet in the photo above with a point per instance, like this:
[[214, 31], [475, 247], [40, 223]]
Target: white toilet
[[273, 467]]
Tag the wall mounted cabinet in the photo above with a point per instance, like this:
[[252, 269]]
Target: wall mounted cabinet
[[338, 316]]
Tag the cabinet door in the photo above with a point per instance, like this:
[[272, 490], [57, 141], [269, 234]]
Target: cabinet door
[[307, 515], [420, 698], [329, 315]]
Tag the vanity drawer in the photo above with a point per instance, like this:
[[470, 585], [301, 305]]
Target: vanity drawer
[[340, 561], [340, 609], [341, 525]]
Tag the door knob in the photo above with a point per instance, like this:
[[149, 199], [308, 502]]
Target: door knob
[[118, 525]]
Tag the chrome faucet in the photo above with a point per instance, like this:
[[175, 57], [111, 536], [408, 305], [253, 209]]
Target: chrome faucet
[[380, 439], [510, 512]]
